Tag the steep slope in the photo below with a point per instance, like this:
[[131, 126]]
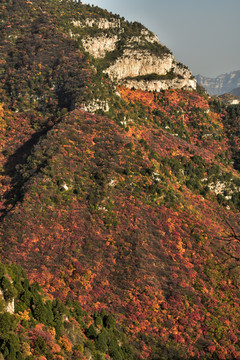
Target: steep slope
[[224, 83], [133, 209]]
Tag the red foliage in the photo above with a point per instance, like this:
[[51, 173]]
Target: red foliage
[[89, 227]]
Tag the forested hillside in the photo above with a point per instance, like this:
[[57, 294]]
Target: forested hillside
[[34, 327], [121, 204]]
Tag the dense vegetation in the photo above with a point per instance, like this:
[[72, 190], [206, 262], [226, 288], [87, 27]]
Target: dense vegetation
[[128, 218], [40, 328], [149, 77], [232, 125]]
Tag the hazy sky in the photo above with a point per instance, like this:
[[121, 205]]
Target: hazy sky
[[202, 34]]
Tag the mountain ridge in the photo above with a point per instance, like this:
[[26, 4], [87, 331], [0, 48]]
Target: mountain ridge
[[134, 208], [221, 84]]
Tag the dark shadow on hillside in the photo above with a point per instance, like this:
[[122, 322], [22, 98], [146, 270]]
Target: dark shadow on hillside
[[10, 169]]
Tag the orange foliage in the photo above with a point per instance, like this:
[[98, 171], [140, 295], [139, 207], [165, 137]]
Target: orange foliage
[[65, 343]]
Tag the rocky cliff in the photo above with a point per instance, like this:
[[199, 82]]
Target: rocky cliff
[[224, 83], [100, 23], [138, 60], [98, 46], [146, 71], [139, 63], [9, 306], [158, 85]]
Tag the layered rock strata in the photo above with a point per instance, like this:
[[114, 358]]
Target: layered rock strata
[[141, 61]]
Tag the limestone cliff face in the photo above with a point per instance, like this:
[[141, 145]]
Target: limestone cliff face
[[144, 37], [135, 63], [101, 23], [158, 85], [136, 52], [100, 45], [138, 63]]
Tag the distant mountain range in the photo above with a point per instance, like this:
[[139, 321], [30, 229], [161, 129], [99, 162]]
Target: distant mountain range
[[225, 83]]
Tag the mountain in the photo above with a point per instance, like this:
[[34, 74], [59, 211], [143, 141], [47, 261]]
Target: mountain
[[119, 193], [236, 91], [224, 83], [229, 99]]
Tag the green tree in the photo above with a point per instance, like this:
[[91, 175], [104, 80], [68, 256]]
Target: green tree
[[109, 321], [7, 323], [101, 341], [40, 346], [92, 332], [9, 346]]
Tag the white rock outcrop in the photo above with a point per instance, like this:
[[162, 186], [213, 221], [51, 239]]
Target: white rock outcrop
[[234, 102], [9, 306], [100, 45], [158, 85], [138, 63], [135, 63], [146, 36], [150, 37], [141, 55], [100, 23], [96, 104]]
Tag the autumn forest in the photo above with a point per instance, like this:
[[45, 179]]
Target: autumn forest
[[119, 226]]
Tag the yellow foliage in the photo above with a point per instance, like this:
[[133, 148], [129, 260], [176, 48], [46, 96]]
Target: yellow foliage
[[52, 331], [23, 315], [1, 111], [26, 349]]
